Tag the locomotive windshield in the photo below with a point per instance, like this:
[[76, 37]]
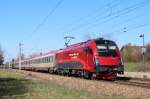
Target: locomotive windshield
[[106, 48]]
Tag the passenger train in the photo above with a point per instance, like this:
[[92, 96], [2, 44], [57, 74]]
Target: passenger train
[[95, 58]]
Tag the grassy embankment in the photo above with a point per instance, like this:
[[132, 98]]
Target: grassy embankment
[[137, 67], [15, 86]]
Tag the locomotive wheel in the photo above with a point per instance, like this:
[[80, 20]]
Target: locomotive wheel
[[87, 75], [50, 71]]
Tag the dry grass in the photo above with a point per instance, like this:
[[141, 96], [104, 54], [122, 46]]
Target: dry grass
[[137, 67], [20, 86]]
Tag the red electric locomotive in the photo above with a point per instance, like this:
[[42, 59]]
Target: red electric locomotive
[[94, 58]]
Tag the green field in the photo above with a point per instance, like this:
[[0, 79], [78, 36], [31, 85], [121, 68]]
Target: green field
[[137, 67], [14, 86]]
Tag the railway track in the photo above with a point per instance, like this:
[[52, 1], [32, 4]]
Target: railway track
[[139, 82]]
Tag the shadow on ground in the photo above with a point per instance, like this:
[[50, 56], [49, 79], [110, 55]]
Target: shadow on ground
[[123, 78], [11, 87]]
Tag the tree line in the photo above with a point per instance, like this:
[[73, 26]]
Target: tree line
[[1, 56], [133, 53]]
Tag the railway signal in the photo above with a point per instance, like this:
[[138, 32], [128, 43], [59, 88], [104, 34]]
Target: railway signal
[[143, 49]]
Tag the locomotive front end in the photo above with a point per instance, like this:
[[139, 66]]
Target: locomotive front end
[[107, 59]]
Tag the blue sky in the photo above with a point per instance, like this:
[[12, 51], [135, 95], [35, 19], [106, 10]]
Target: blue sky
[[78, 18]]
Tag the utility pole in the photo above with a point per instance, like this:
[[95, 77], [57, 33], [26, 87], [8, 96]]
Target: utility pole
[[20, 54], [68, 39], [143, 49], [9, 65]]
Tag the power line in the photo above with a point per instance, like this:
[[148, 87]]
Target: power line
[[126, 29], [116, 15], [139, 26], [49, 14], [89, 16], [126, 11]]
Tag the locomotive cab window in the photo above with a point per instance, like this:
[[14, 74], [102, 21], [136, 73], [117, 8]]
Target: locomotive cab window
[[112, 47], [106, 48]]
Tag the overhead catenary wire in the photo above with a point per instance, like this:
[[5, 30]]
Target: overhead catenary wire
[[38, 26], [109, 18], [139, 26], [92, 14], [125, 12], [130, 28], [49, 14]]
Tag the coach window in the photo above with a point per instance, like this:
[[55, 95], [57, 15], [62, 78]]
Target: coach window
[[39, 60], [51, 59], [42, 60], [47, 59], [35, 61]]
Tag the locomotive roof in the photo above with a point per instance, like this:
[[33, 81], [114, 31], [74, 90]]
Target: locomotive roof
[[83, 44]]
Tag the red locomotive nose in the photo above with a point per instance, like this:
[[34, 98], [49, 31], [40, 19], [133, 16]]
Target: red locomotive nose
[[109, 61]]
